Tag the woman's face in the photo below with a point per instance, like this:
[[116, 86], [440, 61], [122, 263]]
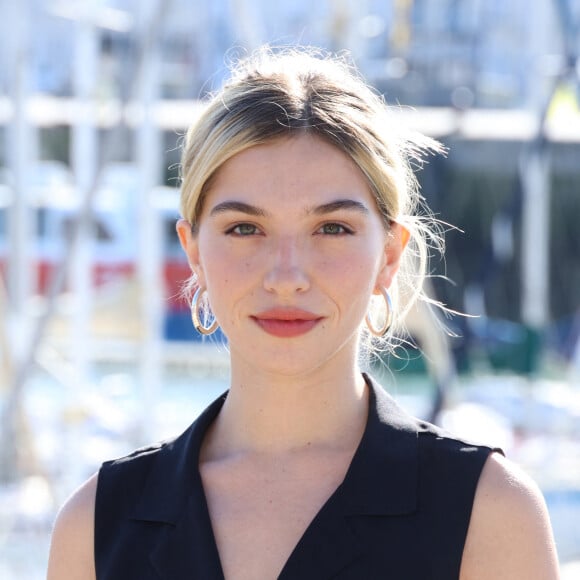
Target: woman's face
[[290, 246]]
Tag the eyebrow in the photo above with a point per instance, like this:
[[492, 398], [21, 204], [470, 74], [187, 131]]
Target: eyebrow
[[326, 208], [238, 206], [338, 205]]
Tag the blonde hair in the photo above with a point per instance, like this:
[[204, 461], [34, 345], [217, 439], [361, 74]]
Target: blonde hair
[[277, 93]]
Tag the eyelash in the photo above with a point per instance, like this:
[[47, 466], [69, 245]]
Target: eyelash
[[344, 230], [232, 230], [235, 230]]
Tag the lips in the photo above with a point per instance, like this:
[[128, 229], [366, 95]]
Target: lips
[[286, 322]]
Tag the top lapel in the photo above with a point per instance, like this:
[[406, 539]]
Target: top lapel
[[188, 550], [381, 481], [327, 546], [173, 495], [382, 478]]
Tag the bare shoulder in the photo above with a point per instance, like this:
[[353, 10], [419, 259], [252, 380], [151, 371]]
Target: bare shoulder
[[510, 535], [71, 549]]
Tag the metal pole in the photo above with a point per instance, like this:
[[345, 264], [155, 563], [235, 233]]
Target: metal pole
[[150, 251], [84, 156], [20, 236], [20, 220], [535, 172]]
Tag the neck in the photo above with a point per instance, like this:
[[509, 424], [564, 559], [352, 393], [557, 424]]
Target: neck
[[272, 414]]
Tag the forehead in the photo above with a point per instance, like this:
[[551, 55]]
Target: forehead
[[302, 170]]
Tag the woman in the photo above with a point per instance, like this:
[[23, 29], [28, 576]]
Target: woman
[[297, 204]]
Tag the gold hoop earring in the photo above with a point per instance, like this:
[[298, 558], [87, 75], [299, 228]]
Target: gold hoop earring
[[380, 332], [206, 330]]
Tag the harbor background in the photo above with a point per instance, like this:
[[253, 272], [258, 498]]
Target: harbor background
[[97, 352]]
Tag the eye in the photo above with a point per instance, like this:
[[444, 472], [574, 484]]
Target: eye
[[243, 230], [334, 229]]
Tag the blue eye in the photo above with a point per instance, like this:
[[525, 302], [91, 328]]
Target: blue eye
[[243, 230]]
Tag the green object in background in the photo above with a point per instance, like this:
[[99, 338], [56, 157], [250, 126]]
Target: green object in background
[[521, 355], [508, 347]]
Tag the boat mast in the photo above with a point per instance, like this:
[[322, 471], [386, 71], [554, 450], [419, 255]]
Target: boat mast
[[84, 159]]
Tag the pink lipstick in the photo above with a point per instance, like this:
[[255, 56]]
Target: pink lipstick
[[286, 322]]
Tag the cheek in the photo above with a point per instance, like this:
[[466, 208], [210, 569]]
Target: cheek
[[350, 278], [227, 272], [360, 275], [356, 265]]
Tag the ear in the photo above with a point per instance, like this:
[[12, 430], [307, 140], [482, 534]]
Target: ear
[[397, 240], [190, 246]]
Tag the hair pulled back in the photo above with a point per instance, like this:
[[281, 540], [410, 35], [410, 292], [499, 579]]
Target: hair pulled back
[[278, 93]]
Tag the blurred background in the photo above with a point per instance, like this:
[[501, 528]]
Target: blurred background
[[97, 351]]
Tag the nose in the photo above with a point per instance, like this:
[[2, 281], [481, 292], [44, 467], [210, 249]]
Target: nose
[[287, 268]]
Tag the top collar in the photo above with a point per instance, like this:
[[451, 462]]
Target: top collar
[[381, 479]]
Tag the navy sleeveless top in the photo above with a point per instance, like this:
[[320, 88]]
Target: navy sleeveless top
[[402, 511]]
